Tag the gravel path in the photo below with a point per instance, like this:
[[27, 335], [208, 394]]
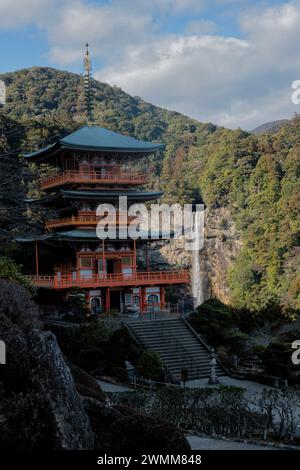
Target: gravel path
[[206, 443], [108, 387]]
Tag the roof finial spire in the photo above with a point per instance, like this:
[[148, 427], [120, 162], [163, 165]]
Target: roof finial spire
[[88, 85]]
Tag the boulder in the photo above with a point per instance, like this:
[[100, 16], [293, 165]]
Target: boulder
[[54, 380]]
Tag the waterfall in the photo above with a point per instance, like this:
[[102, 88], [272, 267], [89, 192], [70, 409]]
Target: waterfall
[[197, 280], [198, 276]]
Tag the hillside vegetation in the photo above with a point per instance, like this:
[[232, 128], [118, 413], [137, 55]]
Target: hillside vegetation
[[256, 177]]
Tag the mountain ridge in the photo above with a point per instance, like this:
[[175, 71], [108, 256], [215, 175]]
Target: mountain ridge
[[255, 177], [270, 127]]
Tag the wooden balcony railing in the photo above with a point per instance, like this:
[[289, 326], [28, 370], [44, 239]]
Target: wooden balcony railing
[[93, 177], [42, 281], [110, 280], [88, 220]]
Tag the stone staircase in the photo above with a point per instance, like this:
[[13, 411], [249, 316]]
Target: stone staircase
[[177, 344]]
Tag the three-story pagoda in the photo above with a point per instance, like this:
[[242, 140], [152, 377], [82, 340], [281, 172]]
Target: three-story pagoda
[[92, 166]]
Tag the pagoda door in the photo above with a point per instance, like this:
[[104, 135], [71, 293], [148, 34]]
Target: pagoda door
[[96, 305], [113, 266], [117, 266]]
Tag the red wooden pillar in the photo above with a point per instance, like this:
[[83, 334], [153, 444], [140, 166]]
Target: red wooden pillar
[[103, 258], [88, 299], [148, 257], [144, 303], [162, 298], [141, 299], [107, 300], [134, 256]]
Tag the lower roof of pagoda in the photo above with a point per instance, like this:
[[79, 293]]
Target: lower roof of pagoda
[[86, 236], [105, 195]]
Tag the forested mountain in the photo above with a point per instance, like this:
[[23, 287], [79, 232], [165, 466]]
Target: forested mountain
[[256, 177], [270, 127]]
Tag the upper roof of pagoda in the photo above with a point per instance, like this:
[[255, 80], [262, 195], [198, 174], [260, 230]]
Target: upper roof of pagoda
[[97, 139]]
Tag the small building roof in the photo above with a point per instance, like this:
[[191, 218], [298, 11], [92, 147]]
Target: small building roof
[[94, 138]]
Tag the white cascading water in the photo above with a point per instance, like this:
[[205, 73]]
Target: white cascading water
[[198, 276]]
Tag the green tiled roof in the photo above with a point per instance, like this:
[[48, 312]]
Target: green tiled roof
[[111, 194], [41, 152], [105, 195], [98, 138], [36, 238], [95, 138], [79, 236], [76, 235]]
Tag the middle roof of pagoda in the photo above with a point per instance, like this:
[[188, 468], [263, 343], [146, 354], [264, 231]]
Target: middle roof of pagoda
[[104, 195], [97, 139]]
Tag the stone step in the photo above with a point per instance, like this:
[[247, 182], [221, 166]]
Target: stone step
[[174, 340], [174, 346], [180, 348], [177, 346], [171, 339], [176, 349], [185, 358]]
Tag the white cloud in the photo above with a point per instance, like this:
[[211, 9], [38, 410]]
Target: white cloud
[[191, 74], [230, 81], [170, 6], [17, 13], [109, 29]]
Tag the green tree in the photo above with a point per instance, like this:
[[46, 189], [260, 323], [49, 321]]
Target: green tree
[[10, 271]]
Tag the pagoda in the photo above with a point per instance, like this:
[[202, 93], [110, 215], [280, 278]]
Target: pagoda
[[93, 166]]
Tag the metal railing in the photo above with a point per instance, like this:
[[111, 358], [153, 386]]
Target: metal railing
[[141, 382], [209, 348]]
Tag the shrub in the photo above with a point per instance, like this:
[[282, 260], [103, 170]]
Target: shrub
[[10, 271], [220, 325], [86, 385], [100, 347], [258, 349], [76, 304], [277, 359], [137, 434], [150, 366], [119, 373]]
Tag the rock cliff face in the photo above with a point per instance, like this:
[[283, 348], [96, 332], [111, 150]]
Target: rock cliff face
[[55, 383], [39, 403], [47, 403], [221, 245]]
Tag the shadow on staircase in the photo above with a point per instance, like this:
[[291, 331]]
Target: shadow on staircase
[[179, 346]]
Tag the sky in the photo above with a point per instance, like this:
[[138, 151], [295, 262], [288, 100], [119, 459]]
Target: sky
[[231, 62]]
